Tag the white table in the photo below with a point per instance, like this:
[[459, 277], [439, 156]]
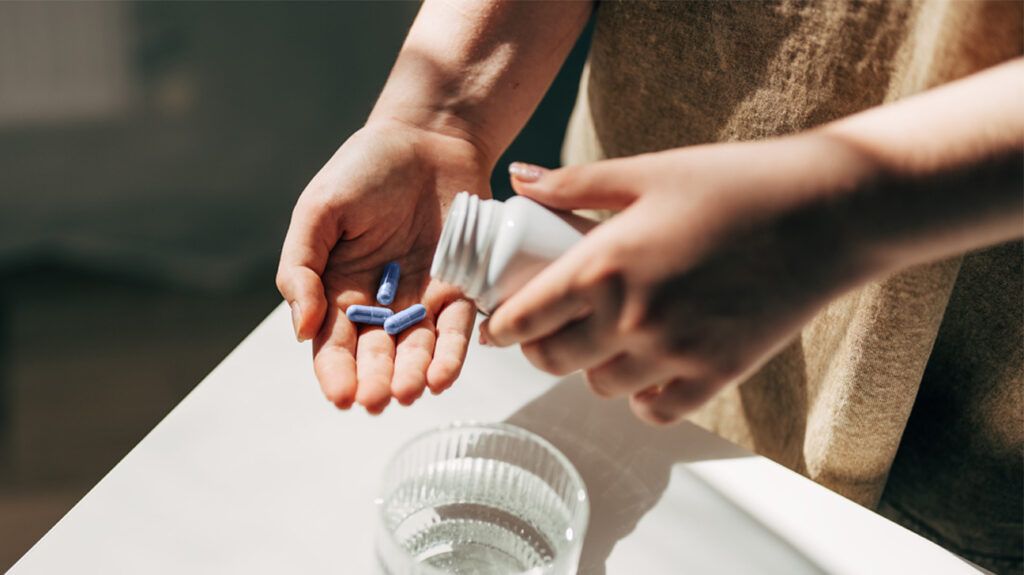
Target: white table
[[254, 472]]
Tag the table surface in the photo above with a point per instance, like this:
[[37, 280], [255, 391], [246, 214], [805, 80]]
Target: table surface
[[255, 472]]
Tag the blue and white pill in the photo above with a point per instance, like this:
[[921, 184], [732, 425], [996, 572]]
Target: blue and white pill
[[405, 319], [368, 314], [388, 284]]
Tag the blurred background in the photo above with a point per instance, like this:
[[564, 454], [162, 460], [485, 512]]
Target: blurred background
[[150, 155]]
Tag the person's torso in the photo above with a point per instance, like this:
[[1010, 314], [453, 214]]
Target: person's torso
[[834, 405]]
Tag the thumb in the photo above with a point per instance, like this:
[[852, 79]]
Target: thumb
[[302, 289], [605, 185], [303, 259]]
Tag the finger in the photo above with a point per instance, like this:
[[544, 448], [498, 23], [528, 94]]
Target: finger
[[626, 373], [334, 359], [454, 327], [375, 363], [310, 238], [412, 357], [670, 403], [415, 345], [546, 303], [584, 342], [567, 289], [579, 345], [530, 320], [609, 184]]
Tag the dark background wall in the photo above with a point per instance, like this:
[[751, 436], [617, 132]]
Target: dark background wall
[[149, 157]]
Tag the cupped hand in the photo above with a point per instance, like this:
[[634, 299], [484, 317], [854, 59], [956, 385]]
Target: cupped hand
[[380, 198], [718, 256]]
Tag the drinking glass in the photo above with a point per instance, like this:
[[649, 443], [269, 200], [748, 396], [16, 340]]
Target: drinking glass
[[482, 499]]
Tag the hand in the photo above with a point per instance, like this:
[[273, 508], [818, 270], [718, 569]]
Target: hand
[[379, 198], [719, 255]]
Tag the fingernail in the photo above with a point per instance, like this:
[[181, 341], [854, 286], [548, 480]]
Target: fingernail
[[526, 173], [483, 340], [296, 318]]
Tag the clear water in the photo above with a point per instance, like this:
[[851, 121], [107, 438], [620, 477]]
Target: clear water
[[479, 516]]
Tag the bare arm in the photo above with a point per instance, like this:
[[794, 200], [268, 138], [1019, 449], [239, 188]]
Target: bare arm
[[466, 80], [477, 70], [947, 170], [722, 252]]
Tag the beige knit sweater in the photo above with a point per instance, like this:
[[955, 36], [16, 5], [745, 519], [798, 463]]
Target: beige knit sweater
[[904, 395]]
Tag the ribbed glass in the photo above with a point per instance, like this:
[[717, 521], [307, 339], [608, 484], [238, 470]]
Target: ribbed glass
[[480, 499]]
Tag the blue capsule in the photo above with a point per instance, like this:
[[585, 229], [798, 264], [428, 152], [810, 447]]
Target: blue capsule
[[404, 319], [388, 284], [368, 314]]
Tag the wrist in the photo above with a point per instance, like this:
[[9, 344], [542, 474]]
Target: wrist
[[437, 133], [438, 106], [827, 218], [436, 121]]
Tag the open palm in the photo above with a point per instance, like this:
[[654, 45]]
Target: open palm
[[380, 198]]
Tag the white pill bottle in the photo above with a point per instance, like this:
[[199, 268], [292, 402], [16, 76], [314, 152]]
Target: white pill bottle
[[489, 249]]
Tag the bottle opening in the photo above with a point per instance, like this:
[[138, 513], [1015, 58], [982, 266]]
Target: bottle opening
[[463, 251]]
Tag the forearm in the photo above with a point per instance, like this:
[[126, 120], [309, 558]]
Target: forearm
[[945, 172], [477, 70]]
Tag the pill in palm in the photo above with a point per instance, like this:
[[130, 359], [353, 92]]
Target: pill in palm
[[368, 314], [404, 319], [388, 284]]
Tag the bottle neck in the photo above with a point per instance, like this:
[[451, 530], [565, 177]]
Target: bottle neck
[[467, 239]]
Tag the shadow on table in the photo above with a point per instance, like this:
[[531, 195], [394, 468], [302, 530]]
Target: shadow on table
[[626, 464]]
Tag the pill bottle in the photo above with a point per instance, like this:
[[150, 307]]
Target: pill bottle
[[489, 249]]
